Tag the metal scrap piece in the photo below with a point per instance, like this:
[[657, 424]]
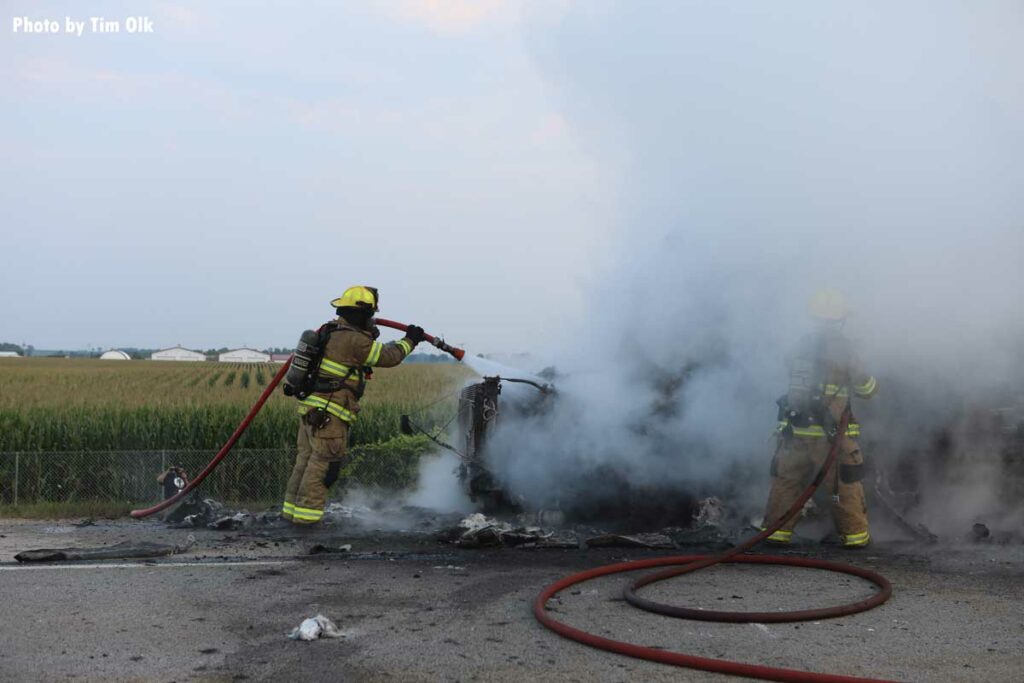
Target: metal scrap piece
[[632, 541], [121, 551]]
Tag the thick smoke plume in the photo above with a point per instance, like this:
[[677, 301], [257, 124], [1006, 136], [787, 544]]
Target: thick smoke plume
[[757, 153]]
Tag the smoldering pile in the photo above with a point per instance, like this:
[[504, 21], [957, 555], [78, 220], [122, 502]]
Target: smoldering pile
[[208, 513], [478, 531], [981, 533]]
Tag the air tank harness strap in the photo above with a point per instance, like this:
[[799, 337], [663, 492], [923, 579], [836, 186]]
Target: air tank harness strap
[[786, 428], [345, 373]]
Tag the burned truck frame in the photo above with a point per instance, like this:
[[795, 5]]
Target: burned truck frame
[[478, 416], [974, 435], [590, 495]]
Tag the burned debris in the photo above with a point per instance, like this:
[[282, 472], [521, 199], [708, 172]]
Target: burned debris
[[594, 494], [477, 531], [967, 441], [128, 550], [193, 513]]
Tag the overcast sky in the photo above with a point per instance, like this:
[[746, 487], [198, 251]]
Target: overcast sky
[[218, 181], [503, 169]]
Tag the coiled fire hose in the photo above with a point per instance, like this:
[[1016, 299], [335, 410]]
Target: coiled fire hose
[[244, 424], [686, 564]]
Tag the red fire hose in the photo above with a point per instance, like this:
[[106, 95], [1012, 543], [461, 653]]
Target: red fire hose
[[439, 343], [244, 424], [692, 563], [225, 449]]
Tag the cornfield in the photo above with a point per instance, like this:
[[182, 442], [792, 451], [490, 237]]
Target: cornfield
[[58, 404], [249, 476]]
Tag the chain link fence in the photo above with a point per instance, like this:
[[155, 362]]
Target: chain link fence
[[247, 475]]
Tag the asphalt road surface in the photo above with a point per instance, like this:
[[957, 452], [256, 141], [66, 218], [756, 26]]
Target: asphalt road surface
[[413, 609]]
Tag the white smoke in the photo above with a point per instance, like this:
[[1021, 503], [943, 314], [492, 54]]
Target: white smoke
[[760, 152], [437, 487]]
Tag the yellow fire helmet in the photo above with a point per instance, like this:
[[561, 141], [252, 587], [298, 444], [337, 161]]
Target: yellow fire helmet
[[828, 305], [359, 296]]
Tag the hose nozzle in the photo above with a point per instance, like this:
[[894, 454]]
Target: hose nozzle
[[457, 353], [448, 348]]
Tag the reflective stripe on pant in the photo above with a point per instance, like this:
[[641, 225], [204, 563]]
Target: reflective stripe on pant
[[796, 462], [779, 536], [856, 540], [312, 475]]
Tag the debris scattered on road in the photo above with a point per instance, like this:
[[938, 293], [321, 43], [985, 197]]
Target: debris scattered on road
[[314, 628], [630, 541], [321, 549], [480, 531], [477, 531], [120, 551], [193, 513], [896, 506], [386, 516], [708, 536], [982, 533], [340, 511], [709, 512], [239, 520], [190, 505]]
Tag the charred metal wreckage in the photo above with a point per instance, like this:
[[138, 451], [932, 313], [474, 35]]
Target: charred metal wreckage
[[969, 438], [590, 496], [479, 408]]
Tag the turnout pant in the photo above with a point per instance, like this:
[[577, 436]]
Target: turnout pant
[[318, 463], [795, 464]]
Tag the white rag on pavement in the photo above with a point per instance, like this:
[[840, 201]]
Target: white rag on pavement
[[315, 627]]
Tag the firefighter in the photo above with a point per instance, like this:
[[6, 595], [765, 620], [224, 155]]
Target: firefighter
[[823, 377], [350, 352]]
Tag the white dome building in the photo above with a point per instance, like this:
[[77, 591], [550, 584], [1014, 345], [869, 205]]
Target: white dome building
[[115, 354], [244, 356], [177, 353]]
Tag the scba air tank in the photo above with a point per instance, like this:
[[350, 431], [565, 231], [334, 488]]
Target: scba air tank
[[301, 377]]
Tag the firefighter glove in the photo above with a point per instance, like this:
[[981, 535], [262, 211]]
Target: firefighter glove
[[414, 333]]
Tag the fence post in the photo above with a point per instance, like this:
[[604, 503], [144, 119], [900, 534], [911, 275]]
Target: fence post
[[17, 466]]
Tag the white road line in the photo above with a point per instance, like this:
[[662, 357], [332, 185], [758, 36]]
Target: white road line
[[143, 565]]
